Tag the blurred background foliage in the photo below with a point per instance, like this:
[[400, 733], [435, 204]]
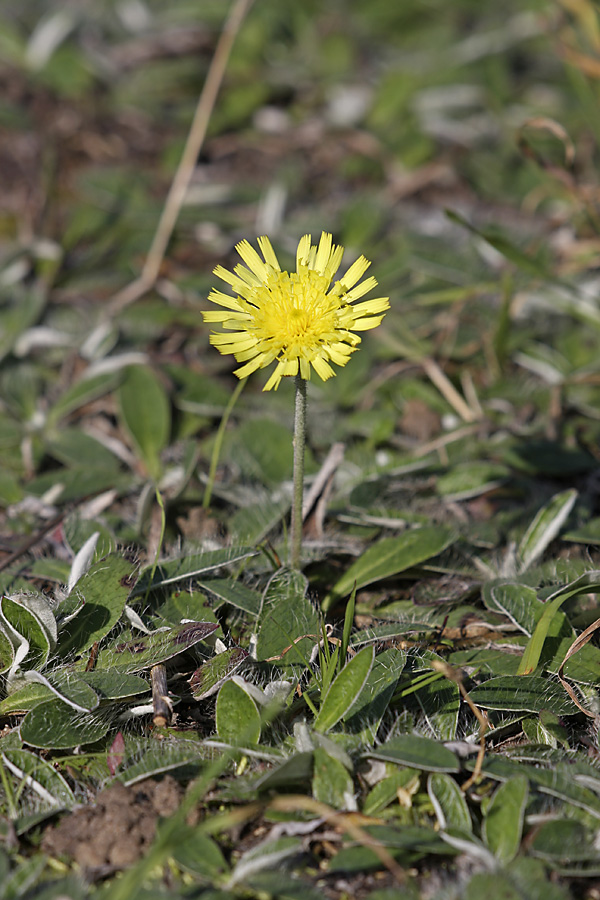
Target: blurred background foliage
[[455, 145]]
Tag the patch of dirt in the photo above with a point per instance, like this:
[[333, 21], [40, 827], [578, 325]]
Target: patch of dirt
[[118, 829]]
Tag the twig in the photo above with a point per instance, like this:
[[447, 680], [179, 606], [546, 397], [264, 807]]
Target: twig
[[187, 164], [454, 675], [163, 708], [447, 389]]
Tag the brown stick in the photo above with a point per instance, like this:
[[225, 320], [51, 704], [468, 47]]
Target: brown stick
[[163, 708]]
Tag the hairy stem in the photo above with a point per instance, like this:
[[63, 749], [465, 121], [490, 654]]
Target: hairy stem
[[299, 446]]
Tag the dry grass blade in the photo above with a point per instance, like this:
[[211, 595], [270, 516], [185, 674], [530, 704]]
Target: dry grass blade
[[185, 170], [447, 390]]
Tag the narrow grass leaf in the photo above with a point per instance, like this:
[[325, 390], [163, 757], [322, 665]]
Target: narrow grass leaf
[[345, 690], [589, 582]]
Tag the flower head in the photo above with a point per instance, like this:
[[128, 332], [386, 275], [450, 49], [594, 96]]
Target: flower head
[[298, 319]]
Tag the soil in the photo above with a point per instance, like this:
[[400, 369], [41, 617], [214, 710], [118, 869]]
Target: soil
[[118, 829]]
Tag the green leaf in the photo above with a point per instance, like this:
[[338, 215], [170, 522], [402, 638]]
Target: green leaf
[[528, 264], [269, 854], [417, 752], [200, 855], [449, 803], [71, 445], [263, 450], [186, 567], [517, 693], [376, 694], [146, 414], [471, 479], [504, 816], [53, 725], [105, 588], [296, 770], [563, 841], [518, 602], [237, 717], [390, 556], [556, 782], [24, 698], [33, 628], [545, 527], [150, 649], [345, 690], [52, 787], [68, 688], [286, 616], [439, 701], [331, 782], [21, 314], [81, 393], [146, 758], [387, 790], [226, 590], [208, 678], [114, 685], [525, 878]]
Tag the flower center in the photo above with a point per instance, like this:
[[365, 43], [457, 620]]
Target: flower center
[[294, 309]]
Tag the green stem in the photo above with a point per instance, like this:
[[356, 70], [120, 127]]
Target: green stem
[[163, 528], [214, 460], [299, 445]]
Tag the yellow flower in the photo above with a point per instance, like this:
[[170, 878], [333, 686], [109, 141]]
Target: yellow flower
[[298, 319]]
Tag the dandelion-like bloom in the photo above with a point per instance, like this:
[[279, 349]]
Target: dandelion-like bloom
[[298, 319]]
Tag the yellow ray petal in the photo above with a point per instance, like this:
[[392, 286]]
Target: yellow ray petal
[[252, 259], [269, 254]]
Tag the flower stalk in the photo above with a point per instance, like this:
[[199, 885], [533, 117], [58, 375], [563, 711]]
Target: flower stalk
[[299, 443]]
